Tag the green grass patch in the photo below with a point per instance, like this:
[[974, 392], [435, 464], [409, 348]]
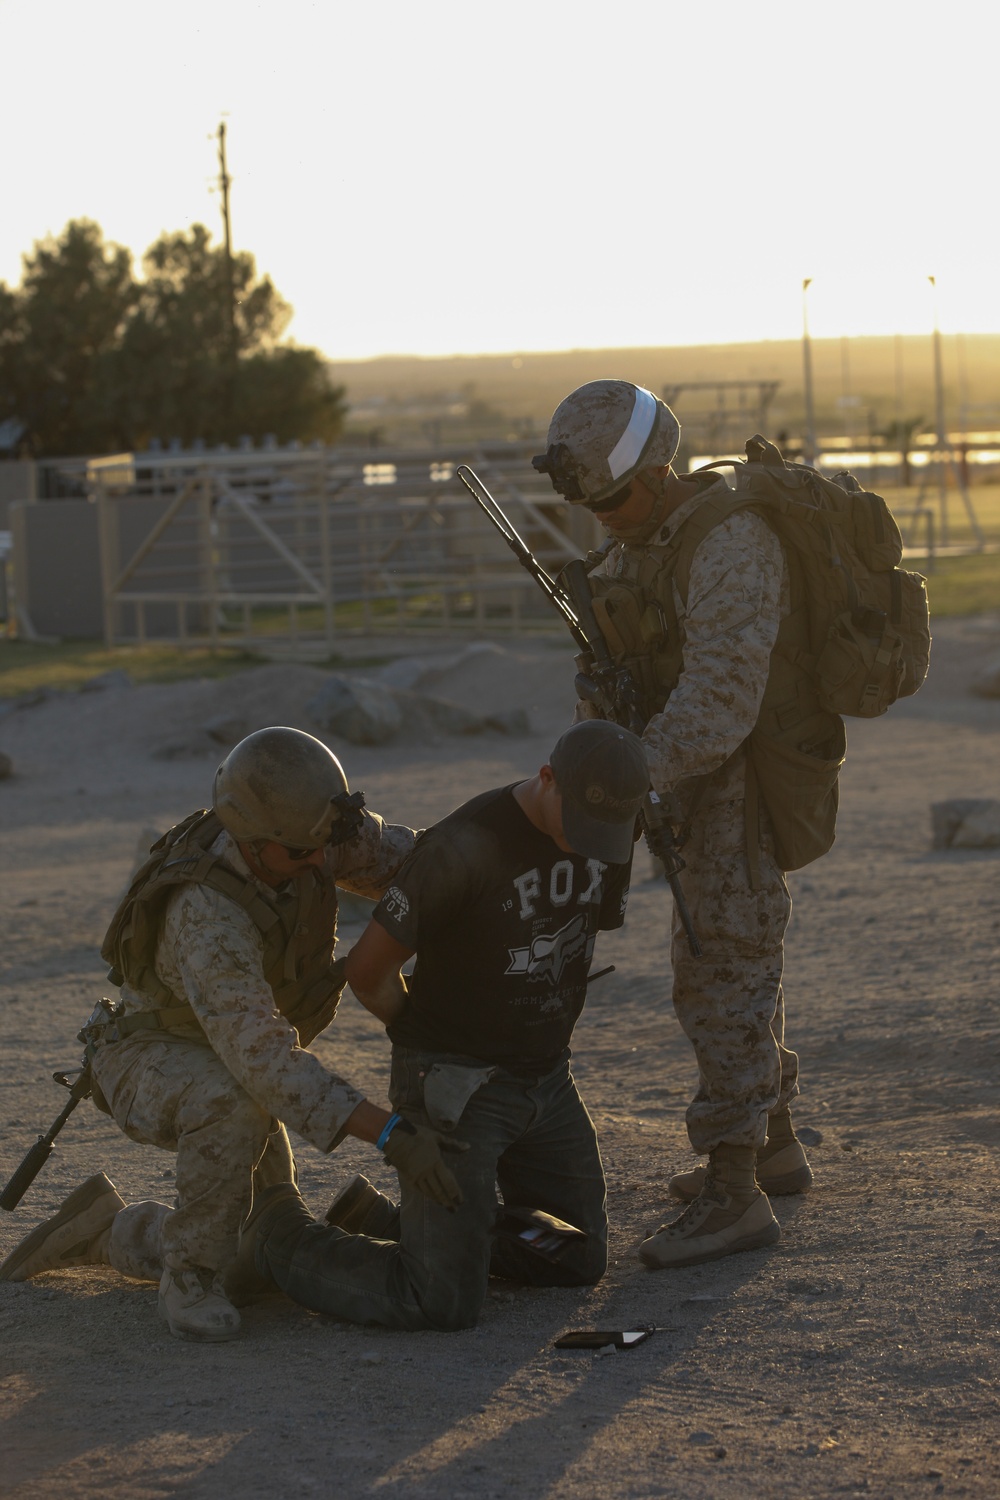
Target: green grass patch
[[26, 666], [985, 500], [963, 586]]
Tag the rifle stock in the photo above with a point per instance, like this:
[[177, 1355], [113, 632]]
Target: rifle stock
[[611, 688]]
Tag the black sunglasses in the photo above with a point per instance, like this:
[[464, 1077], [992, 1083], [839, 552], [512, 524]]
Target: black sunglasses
[[297, 854], [612, 503]]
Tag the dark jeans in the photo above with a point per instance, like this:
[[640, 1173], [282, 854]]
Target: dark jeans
[[532, 1137]]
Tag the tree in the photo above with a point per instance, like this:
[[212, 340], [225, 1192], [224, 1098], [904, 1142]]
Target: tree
[[288, 392], [191, 374], [59, 337], [93, 360]]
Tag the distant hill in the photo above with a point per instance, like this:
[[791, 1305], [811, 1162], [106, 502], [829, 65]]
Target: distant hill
[[405, 397]]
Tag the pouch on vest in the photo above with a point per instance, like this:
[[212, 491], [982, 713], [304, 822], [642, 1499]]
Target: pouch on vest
[[635, 630]]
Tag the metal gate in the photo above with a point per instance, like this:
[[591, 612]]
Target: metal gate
[[243, 549]]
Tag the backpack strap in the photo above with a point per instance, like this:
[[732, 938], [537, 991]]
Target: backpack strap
[[710, 513]]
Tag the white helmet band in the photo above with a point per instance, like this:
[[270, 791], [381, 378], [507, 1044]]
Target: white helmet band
[[628, 450]]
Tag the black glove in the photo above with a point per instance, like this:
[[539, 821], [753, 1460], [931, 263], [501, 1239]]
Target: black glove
[[415, 1152]]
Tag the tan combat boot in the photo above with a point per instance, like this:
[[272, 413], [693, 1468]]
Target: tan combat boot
[[194, 1306], [359, 1208], [782, 1164], [77, 1235], [729, 1214]]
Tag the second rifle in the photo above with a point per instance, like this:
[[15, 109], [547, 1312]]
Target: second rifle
[[610, 687]]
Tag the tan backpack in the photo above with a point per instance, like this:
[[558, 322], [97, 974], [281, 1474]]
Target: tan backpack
[[857, 636]]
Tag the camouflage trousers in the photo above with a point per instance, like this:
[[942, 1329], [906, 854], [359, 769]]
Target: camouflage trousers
[[729, 1002], [169, 1092]]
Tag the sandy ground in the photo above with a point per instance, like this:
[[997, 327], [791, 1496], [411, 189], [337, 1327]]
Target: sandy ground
[[856, 1357]]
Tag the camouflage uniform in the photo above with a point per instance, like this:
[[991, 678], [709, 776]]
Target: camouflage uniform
[[729, 1002], [218, 1095]]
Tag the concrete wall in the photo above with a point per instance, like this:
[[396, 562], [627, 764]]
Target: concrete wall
[[57, 567], [18, 484]]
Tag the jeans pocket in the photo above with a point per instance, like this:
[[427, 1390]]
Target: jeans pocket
[[406, 1080]]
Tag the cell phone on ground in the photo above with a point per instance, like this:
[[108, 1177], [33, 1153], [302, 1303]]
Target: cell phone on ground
[[593, 1338]]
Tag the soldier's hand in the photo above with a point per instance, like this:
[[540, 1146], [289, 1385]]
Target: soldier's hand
[[415, 1152]]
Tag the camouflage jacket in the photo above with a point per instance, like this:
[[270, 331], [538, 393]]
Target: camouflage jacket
[[209, 955], [736, 597]]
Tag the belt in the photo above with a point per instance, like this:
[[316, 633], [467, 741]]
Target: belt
[[115, 1025]]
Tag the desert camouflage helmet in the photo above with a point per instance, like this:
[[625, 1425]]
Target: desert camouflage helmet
[[283, 784], [604, 433]]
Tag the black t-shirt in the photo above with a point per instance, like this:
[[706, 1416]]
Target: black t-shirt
[[504, 925]]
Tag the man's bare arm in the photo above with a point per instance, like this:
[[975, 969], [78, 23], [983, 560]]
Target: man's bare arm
[[373, 972]]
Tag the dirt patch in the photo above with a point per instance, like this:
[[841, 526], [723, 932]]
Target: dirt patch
[[856, 1357]]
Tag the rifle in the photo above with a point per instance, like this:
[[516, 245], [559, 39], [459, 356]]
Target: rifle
[[612, 688], [39, 1153]]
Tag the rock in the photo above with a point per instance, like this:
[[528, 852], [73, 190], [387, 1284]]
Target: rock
[[117, 677], [947, 818], [6, 766], [979, 830], [808, 1136], [36, 696], [701, 1439], [409, 672], [404, 674], [226, 729], [986, 683], [360, 710], [510, 721], [442, 716], [373, 711], [179, 749]]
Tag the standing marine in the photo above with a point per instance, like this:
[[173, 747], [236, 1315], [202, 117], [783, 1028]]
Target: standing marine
[[692, 606]]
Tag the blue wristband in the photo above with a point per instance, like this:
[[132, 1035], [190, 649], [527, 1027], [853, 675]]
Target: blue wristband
[[390, 1126]]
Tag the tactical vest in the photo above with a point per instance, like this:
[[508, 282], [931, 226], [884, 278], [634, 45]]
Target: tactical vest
[[796, 748], [297, 924]]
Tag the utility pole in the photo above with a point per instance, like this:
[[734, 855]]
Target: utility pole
[[230, 289], [811, 454]]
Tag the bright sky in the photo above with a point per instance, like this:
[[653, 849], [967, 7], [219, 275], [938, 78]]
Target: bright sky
[[455, 176]]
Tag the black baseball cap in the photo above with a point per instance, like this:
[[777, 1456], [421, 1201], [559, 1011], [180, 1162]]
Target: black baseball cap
[[602, 773]]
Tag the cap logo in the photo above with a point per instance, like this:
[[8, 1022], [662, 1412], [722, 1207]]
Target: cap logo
[[595, 794], [628, 449]]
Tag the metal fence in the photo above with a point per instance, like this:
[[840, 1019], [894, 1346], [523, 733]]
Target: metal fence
[[244, 548]]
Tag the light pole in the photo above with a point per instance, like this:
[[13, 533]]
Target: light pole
[[811, 453], [945, 457], [939, 421]]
